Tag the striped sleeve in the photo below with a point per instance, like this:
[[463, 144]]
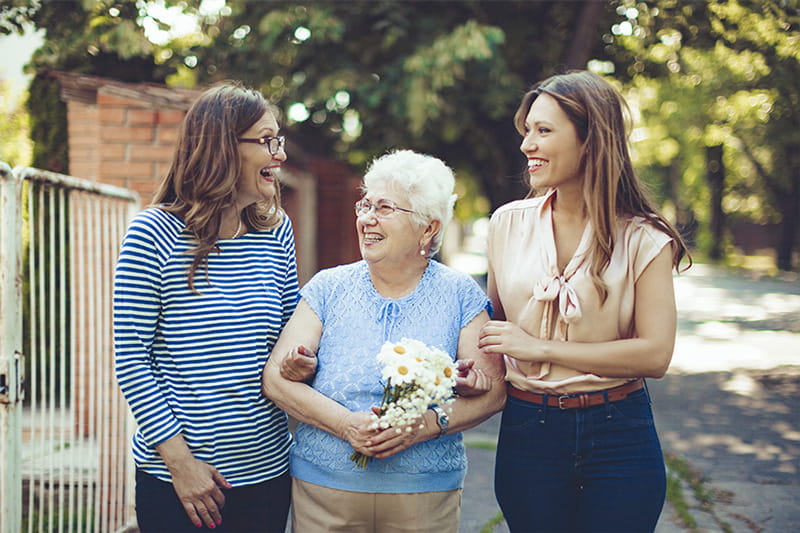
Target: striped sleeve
[[291, 289], [137, 286]]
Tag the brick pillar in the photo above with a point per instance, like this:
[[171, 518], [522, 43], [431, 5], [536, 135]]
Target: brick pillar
[[83, 130]]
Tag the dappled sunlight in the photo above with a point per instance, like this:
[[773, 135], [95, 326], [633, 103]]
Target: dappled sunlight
[[741, 383], [787, 431], [729, 348]]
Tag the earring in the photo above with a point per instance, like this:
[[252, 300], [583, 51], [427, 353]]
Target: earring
[[422, 252]]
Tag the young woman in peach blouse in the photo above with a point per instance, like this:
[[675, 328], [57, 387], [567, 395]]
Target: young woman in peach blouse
[[580, 275]]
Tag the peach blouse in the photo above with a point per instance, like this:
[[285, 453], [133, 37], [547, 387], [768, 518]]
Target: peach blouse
[[549, 304]]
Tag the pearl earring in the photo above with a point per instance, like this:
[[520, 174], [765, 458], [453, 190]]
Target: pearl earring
[[422, 252]]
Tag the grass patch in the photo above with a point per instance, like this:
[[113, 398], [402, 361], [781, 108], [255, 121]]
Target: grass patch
[[675, 467], [493, 522], [680, 474], [481, 445]]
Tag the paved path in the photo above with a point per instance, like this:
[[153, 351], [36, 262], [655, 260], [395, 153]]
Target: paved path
[[728, 406]]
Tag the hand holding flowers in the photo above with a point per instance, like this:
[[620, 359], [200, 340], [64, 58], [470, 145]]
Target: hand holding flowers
[[416, 376]]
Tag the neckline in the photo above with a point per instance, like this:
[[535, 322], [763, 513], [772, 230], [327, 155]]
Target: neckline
[[579, 256], [409, 296]]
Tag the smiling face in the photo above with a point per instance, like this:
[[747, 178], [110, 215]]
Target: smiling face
[[551, 145], [258, 179], [396, 239]]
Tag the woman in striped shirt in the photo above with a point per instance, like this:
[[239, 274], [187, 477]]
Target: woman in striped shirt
[[205, 282]]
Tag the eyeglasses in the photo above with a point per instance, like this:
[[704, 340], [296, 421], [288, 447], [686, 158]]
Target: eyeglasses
[[273, 144], [383, 209]]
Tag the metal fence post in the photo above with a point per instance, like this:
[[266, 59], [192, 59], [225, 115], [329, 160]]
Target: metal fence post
[[11, 364]]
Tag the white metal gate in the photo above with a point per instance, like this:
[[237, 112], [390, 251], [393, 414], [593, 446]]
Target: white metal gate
[[64, 427]]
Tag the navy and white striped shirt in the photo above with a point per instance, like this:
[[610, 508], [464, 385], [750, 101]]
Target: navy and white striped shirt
[[190, 363]]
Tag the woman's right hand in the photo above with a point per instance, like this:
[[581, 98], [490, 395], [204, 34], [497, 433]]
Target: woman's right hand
[[197, 485], [471, 381], [299, 365], [358, 429]]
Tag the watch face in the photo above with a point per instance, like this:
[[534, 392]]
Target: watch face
[[442, 419]]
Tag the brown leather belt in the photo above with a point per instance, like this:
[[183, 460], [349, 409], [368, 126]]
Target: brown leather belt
[[573, 401]]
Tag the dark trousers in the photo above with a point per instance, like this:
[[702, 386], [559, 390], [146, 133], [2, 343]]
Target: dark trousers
[[587, 469], [263, 507]]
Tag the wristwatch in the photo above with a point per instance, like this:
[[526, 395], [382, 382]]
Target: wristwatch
[[442, 419]]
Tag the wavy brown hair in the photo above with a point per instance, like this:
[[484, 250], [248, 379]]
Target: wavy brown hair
[[611, 188], [205, 168]]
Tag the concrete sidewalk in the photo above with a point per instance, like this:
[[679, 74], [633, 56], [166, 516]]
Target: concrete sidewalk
[[728, 408]]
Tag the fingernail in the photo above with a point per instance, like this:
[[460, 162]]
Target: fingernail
[[198, 524], [212, 526], [219, 521]]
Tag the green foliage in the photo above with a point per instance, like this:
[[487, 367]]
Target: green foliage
[[371, 74], [719, 73], [375, 75], [48, 126], [15, 145]]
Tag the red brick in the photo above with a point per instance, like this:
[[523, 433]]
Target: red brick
[[162, 169], [113, 151], [105, 99], [83, 153], [113, 169], [168, 134], [141, 116], [157, 153], [81, 114], [112, 115], [82, 140], [145, 188], [126, 133], [83, 169], [170, 116]]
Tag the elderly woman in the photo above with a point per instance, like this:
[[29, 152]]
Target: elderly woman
[[414, 478]]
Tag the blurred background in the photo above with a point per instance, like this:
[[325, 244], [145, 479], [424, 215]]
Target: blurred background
[[712, 87], [97, 89]]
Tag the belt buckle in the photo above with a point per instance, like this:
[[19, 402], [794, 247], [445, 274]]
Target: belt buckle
[[561, 400]]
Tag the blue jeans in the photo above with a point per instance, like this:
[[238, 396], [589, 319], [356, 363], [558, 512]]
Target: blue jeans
[[598, 468]]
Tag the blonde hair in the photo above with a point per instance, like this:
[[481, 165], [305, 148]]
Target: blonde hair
[[206, 167], [611, 188]]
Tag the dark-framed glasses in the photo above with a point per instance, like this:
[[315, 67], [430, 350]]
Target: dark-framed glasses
[[383, 208], [273, 144]]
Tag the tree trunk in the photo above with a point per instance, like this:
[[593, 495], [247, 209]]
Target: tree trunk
[[787, 231], [585, 34], [685, 220], [715, 176]]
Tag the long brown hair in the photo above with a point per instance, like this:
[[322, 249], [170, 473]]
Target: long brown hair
[[205, 168], [611, 188]]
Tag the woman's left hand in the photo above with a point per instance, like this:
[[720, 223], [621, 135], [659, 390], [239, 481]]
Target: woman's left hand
[[501, 337]]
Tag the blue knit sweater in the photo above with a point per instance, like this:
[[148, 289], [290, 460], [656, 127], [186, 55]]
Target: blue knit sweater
[[357, 320]]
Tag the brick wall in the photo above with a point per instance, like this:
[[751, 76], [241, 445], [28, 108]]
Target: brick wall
[[337, 191], [134, 141], [124, 134]]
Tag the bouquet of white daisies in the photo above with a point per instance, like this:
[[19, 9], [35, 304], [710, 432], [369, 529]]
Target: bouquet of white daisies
[[416, 376]]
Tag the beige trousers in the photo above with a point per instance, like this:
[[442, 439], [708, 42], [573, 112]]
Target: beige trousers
[[317, 509]]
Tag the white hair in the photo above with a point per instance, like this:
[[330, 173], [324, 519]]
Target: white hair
[[426, 181]]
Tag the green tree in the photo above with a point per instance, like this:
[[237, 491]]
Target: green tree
[[15, 145], [96, 37], [439, 77], [721, 74]]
